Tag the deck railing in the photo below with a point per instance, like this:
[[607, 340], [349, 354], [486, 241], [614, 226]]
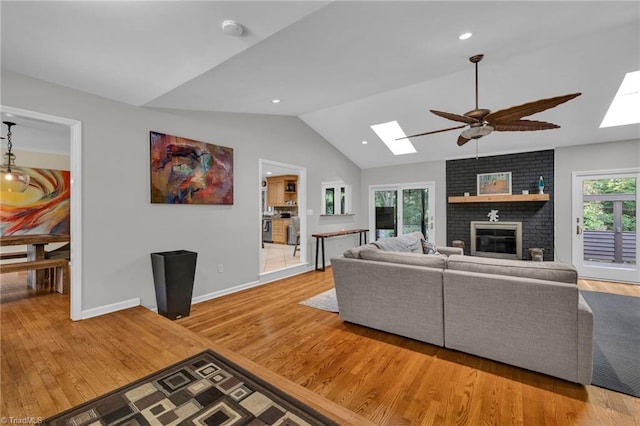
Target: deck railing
[[601, 246]]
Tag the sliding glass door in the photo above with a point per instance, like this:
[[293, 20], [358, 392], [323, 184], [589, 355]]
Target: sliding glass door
[[401, 209]]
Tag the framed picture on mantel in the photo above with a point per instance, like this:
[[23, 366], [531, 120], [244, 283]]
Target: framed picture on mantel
[[494, 183]]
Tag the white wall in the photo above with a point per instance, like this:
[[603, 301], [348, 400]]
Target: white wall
[[41, 160], [120, 225], [420, 172], [605, 156]]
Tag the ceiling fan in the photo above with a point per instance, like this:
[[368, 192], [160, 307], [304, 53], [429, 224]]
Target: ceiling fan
[[481, 122]]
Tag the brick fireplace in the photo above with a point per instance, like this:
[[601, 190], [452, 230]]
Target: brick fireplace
[[536, 217]]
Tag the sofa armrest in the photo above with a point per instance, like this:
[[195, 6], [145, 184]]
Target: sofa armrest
[[585, 341], [450, 250]]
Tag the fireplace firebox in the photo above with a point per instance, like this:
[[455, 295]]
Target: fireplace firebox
[[496, 239]]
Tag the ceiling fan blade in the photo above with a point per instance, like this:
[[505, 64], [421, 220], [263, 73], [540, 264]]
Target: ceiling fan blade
[[524, 125], [517, 112], [455, 117], [434, 131], [462, 140]]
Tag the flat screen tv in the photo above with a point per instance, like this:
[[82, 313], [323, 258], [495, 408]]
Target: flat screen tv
[[385, 218]]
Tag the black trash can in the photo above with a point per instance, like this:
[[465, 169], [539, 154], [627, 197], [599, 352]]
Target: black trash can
[[173, 275]]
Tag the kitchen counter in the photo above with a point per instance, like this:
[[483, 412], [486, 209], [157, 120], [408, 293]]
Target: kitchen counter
[[279, 229]]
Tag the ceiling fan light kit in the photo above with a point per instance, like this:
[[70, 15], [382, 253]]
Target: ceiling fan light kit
[[475, 132], [480, 122]]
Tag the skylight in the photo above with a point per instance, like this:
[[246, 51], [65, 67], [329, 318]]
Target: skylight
[[389, 132], [625, 107]]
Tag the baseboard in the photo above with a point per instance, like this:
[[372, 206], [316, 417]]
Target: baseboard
[[280, 274], [224, 292], [289, 272], [265, 279], [107, 309]]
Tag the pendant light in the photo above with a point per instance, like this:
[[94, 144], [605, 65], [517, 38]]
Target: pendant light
[[12, 178]]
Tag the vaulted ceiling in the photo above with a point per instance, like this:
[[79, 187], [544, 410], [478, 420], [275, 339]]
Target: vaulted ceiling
[[342, 66]]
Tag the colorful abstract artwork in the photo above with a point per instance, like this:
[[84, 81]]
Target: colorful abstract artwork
[[44, 208], [184, 171]]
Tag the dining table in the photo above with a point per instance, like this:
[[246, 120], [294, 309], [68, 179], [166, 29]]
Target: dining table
[[35, 251]]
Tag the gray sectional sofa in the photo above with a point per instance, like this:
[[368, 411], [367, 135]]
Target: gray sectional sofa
[[527, 314]]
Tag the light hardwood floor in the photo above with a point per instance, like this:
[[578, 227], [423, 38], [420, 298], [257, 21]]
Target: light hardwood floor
[[50, 363]]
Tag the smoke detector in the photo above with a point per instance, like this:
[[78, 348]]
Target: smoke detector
[[232, 28]]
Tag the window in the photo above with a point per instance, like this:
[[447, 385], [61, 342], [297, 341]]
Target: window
[[336, 198]]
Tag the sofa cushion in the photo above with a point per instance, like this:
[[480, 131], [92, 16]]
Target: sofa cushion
[[354, 252], [408, 242], [549, 271], [405, 258]]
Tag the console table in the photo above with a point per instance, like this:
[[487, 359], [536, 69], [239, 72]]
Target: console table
[[321, 237]]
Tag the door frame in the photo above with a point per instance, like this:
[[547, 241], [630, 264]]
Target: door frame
[[302, 209], [577, 220], [431, 185], [75, 166]]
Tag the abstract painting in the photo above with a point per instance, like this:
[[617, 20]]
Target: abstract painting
[[44, 208], [185, 171]]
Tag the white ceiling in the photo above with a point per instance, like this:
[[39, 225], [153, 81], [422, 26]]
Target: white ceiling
[[342, 66]]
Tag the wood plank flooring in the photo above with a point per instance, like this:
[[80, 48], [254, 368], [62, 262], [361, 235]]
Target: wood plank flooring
[[50, 363]]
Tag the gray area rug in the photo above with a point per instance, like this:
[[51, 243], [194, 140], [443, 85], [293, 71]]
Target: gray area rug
[[616, 341], [325, 301]]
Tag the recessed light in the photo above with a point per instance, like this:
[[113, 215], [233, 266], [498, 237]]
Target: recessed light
[[269, 173], [275, 101], [364, 142], [465, 36]]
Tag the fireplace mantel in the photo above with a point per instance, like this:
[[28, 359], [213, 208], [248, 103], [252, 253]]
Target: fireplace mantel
[[499, 198]]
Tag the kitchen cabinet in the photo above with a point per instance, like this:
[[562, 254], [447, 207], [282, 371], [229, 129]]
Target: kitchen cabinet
[[282, 190], [279, 230]]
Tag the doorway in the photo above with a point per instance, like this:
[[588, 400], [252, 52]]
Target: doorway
[[75, 162], [282, 218], [606, 222]]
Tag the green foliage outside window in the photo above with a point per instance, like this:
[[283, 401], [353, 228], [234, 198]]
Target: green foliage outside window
[[598, 215]]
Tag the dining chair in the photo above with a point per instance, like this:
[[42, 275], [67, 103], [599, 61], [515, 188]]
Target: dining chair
[[295, 223]]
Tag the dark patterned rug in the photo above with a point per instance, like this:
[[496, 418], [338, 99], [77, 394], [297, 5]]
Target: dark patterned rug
[[616, 341], [205, 389]]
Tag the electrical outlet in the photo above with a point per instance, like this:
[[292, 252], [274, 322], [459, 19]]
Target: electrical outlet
[[220, 268]]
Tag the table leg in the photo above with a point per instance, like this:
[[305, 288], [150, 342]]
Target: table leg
[[317, 250], [322, 254], [35, 278]]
